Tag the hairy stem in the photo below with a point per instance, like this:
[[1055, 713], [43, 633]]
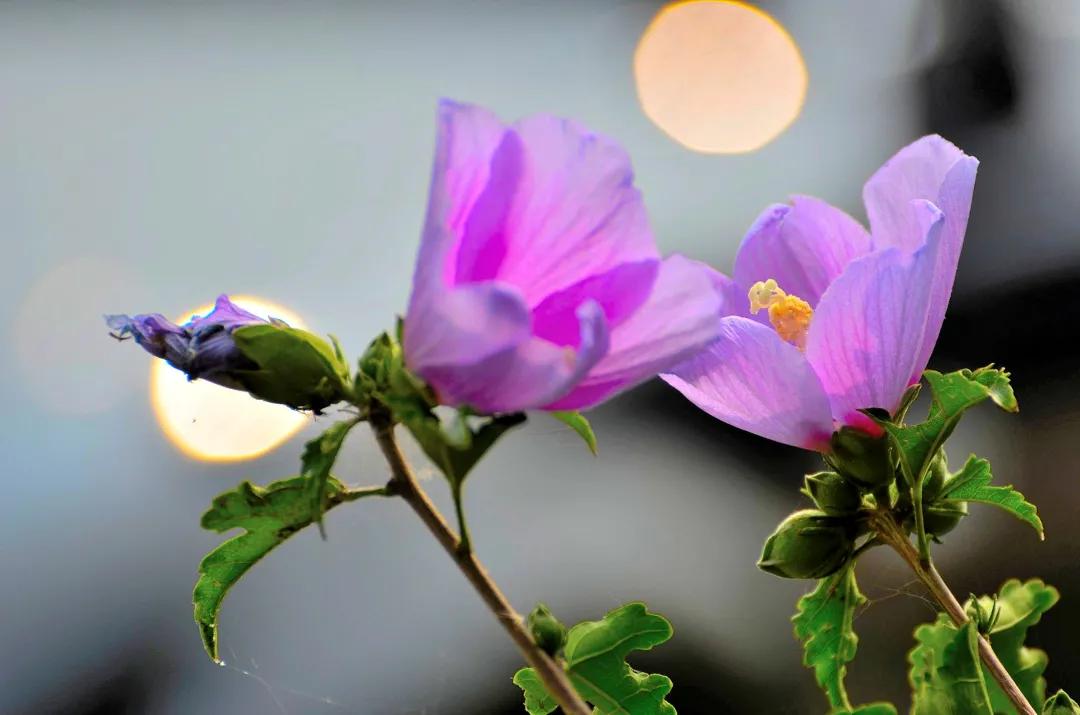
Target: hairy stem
[[404, 484], [890, 533]]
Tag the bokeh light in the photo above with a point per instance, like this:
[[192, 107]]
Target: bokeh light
[[719, 77], [213, 423]]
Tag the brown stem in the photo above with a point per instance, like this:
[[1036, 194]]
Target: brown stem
[[892, 535], [404, 484]]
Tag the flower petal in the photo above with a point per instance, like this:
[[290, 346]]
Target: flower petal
[[466, 139], [226, 314], [935, 170], [523, 376], [574, 212], [620, 291], [804, 246], [866, 337], [752, 379], [468, 324], [681, 317]]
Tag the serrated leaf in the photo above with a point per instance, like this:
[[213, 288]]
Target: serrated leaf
[[972, 484], [946, 675], [953, 394], [537, 699], [1061, 704], [577, 422], [316, 462], [823, 623], [1021, 606], [596, 654], [268, 515]]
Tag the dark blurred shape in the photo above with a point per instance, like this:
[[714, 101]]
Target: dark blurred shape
[[1013, 326], [973, 79], [125, 687]]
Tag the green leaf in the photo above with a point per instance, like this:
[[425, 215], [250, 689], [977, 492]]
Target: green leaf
[[596, 654], [953, 394], [1061, 704], [317, 461], [1021, 606], [972, 483], [823, 622], [537, 699], [268, 515], [577, 422], [294, 367], [946, 675]]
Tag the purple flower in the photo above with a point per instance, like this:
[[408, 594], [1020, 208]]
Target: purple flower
[[203, 347], [823, 319], [538, 283]]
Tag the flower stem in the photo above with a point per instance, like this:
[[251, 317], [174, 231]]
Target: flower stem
[[404, 484], [890, 533]]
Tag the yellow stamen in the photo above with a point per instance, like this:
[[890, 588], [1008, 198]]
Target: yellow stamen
[[789, 314]]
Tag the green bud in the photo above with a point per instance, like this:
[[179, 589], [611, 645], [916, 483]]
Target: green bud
[[936, 476], [547, 631], [833, 494], [939, 519], [291, 366], [1060, 704], [861, 458], [808, 544]]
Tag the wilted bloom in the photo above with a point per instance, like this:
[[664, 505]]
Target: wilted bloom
[[823, 319], [234, 348], [538, 283]]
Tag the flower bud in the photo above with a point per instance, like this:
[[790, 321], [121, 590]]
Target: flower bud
[[547, 631], [808, 544], [833, 494], [936, 476], [860, 457], [239, 350], [939, 519], [1060, 704]]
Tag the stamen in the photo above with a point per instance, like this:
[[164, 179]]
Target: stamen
[[789, 314]]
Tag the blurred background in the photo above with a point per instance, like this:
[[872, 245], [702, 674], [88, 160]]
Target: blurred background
[[154, 154]]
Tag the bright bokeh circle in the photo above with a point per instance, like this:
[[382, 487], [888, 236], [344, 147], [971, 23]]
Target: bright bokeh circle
[[719, 77], [213, 423]]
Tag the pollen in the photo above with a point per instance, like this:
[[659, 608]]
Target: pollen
[[789, 314]]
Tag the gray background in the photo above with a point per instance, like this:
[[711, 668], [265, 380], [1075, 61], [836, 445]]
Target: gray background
[[159, 153]]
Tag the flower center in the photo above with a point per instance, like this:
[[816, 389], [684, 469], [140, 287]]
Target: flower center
[[789, 314]]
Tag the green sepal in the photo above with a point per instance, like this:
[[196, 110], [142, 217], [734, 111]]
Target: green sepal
[[833, 494], [547, 631], [577, 422], [972, 484], [316, 462], [1020, 606], [455, 446], [596, 654], [823, 622], [808, 544], [1061, 704], [268, 515], [946, 675], [292, 367]]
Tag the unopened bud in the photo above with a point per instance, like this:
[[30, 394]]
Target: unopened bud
[[547, 631], [833, 494], [808, 544]]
